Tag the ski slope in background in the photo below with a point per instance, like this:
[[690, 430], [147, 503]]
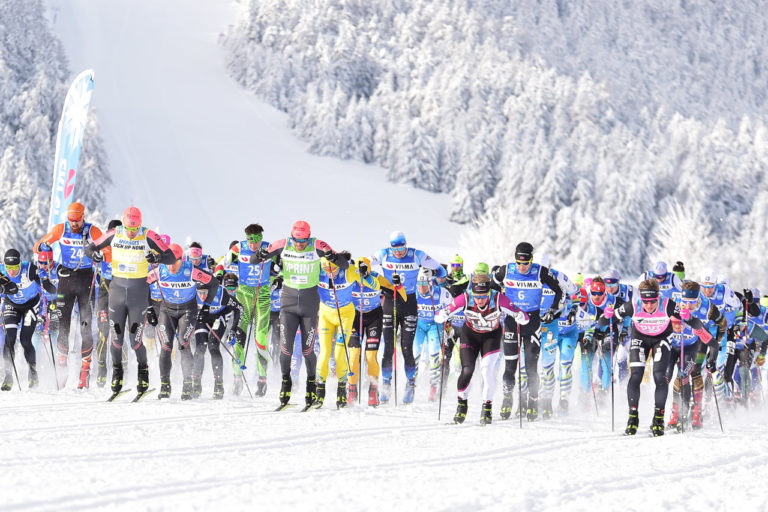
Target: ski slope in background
[[202, 158]]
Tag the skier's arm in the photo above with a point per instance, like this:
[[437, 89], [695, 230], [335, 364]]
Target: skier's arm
[[274, 249], [100, 243], [385, 284], [52, 236], [457, 304], [427, 261], [156, 244], [551, 281], [94, 234], [232, 305], [201, 276], [324, 251], [46, 283], [718, 318], [510, 309], [499, 275]]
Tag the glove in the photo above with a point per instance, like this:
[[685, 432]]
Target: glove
[[262, 255], [331, 256], [151, 316], [278, 282], [202, 316], [211, 262], [97, 257], [396, 280], [240, 334], [233, 258], [760, 361], [11, 288], [548, 317], [571, 316], [748, 295], [63, 271], [363, 268], [712, 365], [622, 337], [685, 314], [521, 317], [441, 316], [219, 275], [608, 312], [152, 257]]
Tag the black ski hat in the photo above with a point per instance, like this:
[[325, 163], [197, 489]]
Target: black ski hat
[[524, 251], [12, 257], [481, 288], [678, 267]]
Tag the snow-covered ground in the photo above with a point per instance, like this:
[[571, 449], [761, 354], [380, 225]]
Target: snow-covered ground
[[201, 157], [191, 149]]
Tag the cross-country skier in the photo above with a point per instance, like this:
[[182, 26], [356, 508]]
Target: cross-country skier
[[211, 328], [133, 247], [670, 286], [198, 259], [651, 327], [300, 255], [456, 283], [428, 338], [400, 264], [483, 309], [76, 280], [522, 282], [48, 326], [20, 286], [104, 278], [253, 292]]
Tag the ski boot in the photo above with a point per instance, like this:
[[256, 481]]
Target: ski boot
[[218, 388], [7, 382], [186, 389], [101, 375], [506, 404], [432, 392], [85, 373], [143, 379], [237, 385], [532, 412], [341, 395], [410, 390], [563, 408], [352, 393], [373, 395], [320, 395], [117, 378], [461, 411], [386, 391], [632, 423], [285, 390], [673, 420], [546, 408], [696, 422], [33, 378], [197, 386], [165, 390], [657, 425], [312, 392], [261, 386], [485, 415]]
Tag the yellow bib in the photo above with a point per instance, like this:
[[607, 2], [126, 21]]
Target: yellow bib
[[128, 254]]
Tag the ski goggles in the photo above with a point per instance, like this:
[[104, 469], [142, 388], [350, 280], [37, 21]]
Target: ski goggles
[[13, 268], [254, 238], [299, 240], [611, 282], [195, 253]]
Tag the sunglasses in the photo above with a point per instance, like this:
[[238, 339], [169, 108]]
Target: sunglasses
[[230, 288], [598, 294], [524, 262], [195, 253], [422, 283], [398, 247], [75, 219], [484, 296], [708, 286], [13, 267], [689, 302], [298, 240], [648, 301], [255, 238], [132, 230], [457, 265], [659, 277], [611, 282]]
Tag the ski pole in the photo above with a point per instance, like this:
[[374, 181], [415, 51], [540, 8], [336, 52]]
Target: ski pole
[[360, 338], [520, 373], [440, 337], [610, 326], [341, 326], [234, 357], [47, 334], [394, 338], [680, 397], [717, 405]]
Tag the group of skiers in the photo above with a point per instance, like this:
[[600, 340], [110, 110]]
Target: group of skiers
[[530, 316]]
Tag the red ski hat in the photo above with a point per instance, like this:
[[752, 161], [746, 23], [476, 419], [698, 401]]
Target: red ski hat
[[177, 251], [132, 217], [300, 229], [597, 287]]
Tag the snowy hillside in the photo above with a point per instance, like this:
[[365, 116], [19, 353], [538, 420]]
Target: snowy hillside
[[202, 158], [588, 128], [34, 78]]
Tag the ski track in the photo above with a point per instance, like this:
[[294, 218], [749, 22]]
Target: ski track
[[195, 455]]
